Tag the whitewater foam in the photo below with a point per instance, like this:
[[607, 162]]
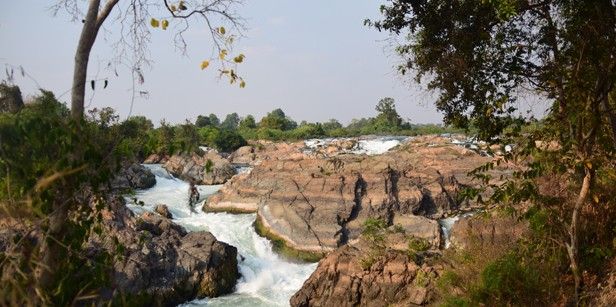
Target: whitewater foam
[[267, 279]]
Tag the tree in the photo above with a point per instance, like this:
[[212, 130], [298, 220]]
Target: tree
[[248, 122], [202, 121], [277, 120], [136, 32], [480, 54], [332, 124], [231, 121], [214, 121], [388, 118]]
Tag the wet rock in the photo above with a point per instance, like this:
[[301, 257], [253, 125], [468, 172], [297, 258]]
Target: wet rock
[[134, 176], [161, 261], [210, 168], [163, 210]]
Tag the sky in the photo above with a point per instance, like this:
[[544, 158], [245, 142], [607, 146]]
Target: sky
[[313, 59]]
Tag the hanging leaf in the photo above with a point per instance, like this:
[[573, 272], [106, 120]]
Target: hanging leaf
[[105, 85], [222, 30], [242, 84], [223, 54], [92, 84], [173, 8], [182, 6], [154, 22], [204, 64], [165, 24], [23, 72], [239, 59]]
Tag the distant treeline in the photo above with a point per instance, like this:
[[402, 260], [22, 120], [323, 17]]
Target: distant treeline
[[234, 131]]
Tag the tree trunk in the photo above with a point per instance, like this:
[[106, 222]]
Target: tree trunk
[[572, 247], [82, 57]]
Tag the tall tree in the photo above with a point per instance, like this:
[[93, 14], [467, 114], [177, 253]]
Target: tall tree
[[479, 55], [388, 116], [248, 122], [134, 17], [231, 121]]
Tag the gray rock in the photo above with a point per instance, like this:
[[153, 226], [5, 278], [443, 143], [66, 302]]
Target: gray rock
[[134, 176]]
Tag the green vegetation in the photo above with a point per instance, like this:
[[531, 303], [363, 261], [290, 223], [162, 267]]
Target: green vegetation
[[479, 55]]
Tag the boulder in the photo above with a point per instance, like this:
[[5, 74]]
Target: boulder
[[161, 261], [210, 168], [243, 155], [163, 210], [357, 275], [134, 176]]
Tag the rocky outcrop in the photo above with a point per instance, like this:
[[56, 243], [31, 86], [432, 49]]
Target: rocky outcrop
[[155, 159], [244, 155], [134, 176], [163, 210], [159, 260], [486, 229], [348, 277], [210, 168], [316, 204]]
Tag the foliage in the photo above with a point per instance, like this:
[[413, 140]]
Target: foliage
[[479, 55], [49, 165], [231, 122], [248, 122], [277, 119], [388, 118]]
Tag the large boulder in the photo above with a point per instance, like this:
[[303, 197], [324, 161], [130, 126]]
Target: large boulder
[[210, 168], [360, 275], [163, 210], [316, 204], [134, 176], [160, 260]]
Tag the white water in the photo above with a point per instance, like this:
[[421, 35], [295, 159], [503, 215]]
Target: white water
[[369, 146], [267, 279], [446, 225]]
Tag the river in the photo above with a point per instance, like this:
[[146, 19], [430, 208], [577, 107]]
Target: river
[[267, 279]]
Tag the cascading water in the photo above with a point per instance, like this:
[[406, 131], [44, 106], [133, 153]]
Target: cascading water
[[267, 279]]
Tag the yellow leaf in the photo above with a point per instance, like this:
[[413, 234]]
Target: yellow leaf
[[223, 54], [154, 22], [173, 8], [242, 84], [222, 30], [588, 165], [595, 198], [165, 24], [239, 58], [205, 64]]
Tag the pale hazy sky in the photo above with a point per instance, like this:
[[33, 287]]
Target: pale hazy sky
[[314, 59]]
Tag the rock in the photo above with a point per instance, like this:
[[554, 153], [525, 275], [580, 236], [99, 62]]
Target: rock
[[161, 260], [243, 155], [10, 98], [211, 168], [156, 159], [315, 204], [163, 210], [491, 229], [134, 176], [354, 276]]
